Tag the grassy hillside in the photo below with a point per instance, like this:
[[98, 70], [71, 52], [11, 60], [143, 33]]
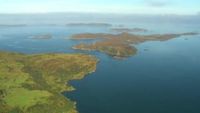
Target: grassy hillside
[[33, 83]]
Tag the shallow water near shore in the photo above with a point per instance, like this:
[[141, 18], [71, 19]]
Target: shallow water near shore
[[163, 77]]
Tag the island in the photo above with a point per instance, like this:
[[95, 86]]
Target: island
[[13, 25], [89, 24], [129, 30], [120, 45], [90, 36], [35, 83], [45, 37]]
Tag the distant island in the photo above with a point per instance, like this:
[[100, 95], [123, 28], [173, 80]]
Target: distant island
[[129, 30], [90, 24], [12, 25], [120, 45], [45, 36], [34, 83]]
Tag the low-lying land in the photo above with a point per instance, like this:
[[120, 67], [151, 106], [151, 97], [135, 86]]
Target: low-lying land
[[34, 83], [90, 24], [45, 36], [13, 25], [121, 45], [129, 30]]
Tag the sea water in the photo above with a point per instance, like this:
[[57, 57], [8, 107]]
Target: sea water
[[163, 77]]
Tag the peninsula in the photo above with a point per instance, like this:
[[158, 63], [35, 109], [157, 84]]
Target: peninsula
[[121, 45], [34, 83]]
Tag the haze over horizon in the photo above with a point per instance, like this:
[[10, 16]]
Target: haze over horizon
[[161, 7]]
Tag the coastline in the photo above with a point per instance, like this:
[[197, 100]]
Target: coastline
[[54, 81]]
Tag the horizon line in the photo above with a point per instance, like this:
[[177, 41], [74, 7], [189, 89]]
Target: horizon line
[[113, 13]]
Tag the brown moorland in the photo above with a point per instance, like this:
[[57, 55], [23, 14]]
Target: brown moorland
[[121, 45]]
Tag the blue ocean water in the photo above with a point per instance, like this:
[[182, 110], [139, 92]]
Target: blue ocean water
[[163, 79]]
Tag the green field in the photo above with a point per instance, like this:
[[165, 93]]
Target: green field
[[34, 83]]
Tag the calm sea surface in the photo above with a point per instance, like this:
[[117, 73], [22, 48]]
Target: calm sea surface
[[163, 79]]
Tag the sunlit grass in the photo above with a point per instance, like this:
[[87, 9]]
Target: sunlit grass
[[34, 83]]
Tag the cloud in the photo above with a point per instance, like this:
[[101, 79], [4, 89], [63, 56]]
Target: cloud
[[157, 3]]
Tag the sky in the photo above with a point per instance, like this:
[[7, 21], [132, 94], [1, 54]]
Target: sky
[[179, 7]]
